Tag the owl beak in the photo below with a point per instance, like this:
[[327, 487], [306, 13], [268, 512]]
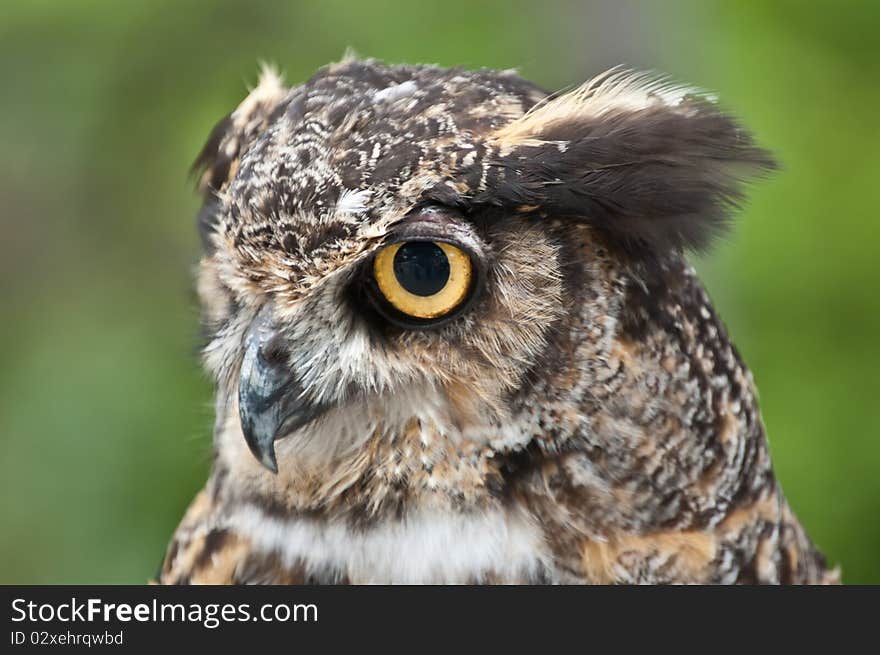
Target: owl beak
[[271, 402]]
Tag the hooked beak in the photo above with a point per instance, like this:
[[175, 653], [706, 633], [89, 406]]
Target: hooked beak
[[271, 402]]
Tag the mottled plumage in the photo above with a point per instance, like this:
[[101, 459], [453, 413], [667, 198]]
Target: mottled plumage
[[584, 419]]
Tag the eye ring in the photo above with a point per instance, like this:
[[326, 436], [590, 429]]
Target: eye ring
[[422, 282]]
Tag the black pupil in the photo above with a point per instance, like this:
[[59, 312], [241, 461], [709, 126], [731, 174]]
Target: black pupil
[[421, 267]]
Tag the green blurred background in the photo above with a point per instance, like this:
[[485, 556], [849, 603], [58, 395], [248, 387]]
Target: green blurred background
[[104, 415]]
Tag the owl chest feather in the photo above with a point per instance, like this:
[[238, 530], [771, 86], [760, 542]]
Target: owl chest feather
[[424, 547], [412, 505]]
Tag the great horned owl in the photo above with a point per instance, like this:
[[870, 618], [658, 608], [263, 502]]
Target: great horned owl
[[455, 339]]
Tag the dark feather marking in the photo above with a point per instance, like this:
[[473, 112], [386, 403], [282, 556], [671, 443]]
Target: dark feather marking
[[210, 158], [263, 568], [214, 541], [168, 559]]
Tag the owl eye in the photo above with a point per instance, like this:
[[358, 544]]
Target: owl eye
[[425, 280]]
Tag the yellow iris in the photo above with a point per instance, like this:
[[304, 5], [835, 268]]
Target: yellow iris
[[426, 280]]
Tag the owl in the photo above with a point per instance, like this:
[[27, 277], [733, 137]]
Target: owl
[[455, 339]]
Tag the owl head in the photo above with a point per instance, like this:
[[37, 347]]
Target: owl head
[[390, 242]]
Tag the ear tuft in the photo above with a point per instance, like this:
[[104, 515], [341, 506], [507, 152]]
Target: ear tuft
[[218, 160], [654, 164]]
